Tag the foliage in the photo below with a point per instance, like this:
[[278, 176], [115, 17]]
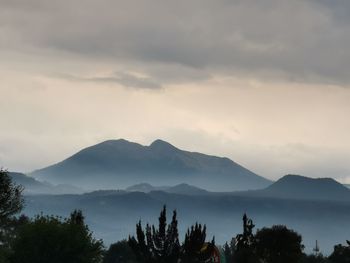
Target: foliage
[[341, 254], [314, 259], [161, 245], [278, 244], [244, 250], [11, 200], [195, 249], [120, 252], [55, 240], [229, 250], [157, 245], [11, 203]]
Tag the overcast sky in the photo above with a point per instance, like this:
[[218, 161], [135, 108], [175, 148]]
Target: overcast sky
[[265, 83]]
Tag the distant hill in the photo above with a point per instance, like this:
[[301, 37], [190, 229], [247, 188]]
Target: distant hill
[[185, 189], [145, 188], [33, 186], [119, 163], [301, 187]]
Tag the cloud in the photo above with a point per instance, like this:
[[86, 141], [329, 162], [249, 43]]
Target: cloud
[[294, 40], [125, 79]]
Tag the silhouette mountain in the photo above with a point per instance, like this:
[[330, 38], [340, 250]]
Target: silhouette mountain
[[33, 186], [185, 189], [301, 187], [119, 163], [145, 188]]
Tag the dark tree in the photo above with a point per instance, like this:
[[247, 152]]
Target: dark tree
[[139, 245], [195, 249], [341, 254], [157, 244], [314, 259], [51, 239], [11, 200], [245, 243], [120, 252], [278, 244], [164, 241], [11, 203], [229, 250]]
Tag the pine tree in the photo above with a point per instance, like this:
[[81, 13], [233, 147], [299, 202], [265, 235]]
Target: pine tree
[[139, 245], [160, 244], [229, 250], [194, 248]]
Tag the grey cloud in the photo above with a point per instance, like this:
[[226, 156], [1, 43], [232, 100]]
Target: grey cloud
[[123, 78], [303, 40]]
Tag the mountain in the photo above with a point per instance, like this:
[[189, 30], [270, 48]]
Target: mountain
[[185, 189], [301, 187], [145, 188], [33, 186], [119, 163]]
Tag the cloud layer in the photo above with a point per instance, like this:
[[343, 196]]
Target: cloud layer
[[303, 40]]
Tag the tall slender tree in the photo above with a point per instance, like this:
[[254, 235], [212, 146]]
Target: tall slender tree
[[195, 249], [160, 245], [245, 243]]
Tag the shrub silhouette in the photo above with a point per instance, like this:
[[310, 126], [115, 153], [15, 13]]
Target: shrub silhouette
[[55, 240]]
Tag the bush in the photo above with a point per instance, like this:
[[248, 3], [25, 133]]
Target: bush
[[55, 240]]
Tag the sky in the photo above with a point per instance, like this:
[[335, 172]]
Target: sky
[[265, 83]]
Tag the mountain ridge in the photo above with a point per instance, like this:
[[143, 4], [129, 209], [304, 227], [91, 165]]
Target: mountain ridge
[[176, 189], [120, 163], [300, 187]]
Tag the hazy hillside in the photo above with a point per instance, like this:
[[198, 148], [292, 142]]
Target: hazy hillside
[[33, 186], [177, 189], [301, 187], [119, 163], [145, 188], [113, 214]]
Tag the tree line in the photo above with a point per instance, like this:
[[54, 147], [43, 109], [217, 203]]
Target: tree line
[[54, 239]]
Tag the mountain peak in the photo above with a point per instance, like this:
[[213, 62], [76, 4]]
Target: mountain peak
[[117, 141], [303, 179], [121, 163], [162, 145], [301, 187]]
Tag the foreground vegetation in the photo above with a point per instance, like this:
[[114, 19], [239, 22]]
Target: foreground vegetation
[[57, 240]]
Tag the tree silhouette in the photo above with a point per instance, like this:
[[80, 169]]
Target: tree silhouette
[[120, 252], [319, 258], [229, 250], [278, 244], [341, 254], [11, 200], [195, 249], [11, 203], [157, 244], [51, 239], [245, 243]]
